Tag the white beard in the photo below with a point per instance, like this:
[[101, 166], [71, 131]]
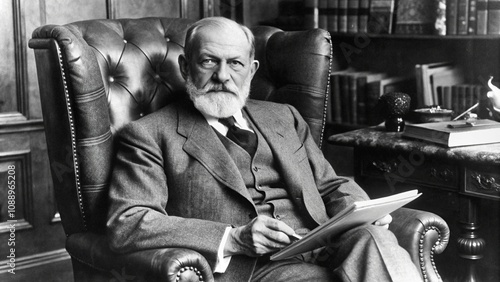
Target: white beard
[[217, 100]]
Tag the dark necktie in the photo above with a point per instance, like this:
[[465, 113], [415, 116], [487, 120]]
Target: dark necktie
[[244, 138]]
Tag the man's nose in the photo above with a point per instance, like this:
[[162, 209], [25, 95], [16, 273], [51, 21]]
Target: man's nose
[[221, 74]]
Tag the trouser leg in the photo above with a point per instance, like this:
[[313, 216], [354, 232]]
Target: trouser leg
[[364, 254], [368, 253]]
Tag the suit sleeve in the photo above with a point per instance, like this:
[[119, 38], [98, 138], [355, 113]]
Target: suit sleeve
[[138, 195], [337, 192]]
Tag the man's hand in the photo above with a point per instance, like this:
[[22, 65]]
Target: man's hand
[[261, 236], [384, 221]]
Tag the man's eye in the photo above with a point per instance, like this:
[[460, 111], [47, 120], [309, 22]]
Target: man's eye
[[236, 64], [208, 63]]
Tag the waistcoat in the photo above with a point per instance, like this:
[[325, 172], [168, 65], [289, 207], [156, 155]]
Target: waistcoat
[[263, 182]]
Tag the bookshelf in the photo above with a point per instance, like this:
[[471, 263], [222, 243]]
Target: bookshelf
[[398, 35], [398, 54]]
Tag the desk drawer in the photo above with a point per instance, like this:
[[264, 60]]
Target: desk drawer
[[407, 168], [483, 181]]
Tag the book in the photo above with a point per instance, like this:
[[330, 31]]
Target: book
[[352, 16], [472, 25], [462, 16], [335, 98], [446, 98], [482, 17], [416, 17], [381, 18], [363, 14], [333, 19], [493, 16], [455, 133], [423, 73], [447, 77], [451, 17], [356, 214], [323, 14], [342, 15], [362, 84], [345, 100]]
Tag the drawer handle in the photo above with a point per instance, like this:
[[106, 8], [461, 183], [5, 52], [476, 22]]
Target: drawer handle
[[444, 175], [385, 166], [486, 183]]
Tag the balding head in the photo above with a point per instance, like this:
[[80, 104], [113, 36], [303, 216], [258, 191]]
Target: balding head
[[219, 24]]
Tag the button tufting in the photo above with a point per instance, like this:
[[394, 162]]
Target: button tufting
[[124, 41], [141, 114], [111, 79], [167, 39]]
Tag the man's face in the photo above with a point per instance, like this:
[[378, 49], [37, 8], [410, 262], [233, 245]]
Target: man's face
[[219, 71]]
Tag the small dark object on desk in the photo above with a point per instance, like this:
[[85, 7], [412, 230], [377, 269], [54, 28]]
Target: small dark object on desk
[[393, 107]]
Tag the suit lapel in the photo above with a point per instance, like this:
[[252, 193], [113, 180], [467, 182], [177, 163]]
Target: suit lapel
[[299, 185], [203, 144]]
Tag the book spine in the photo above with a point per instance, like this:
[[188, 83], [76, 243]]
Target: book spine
[[447, 98], [323, 14], [342, 16], [472, 24], [311, 14], [482, 17], [333, 19], [494, 17], [451, 17], [352, 16], [364, 12], [469, 96], [455, 101], [462, 16], [336, 99], [371, 100], [381, 16], [344, 98], [353, 99], [361, 94]]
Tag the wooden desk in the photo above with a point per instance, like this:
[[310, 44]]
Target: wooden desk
[[471, 174]]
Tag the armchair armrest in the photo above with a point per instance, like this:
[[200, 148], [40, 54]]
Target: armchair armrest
[[422, 234], [167, 264]]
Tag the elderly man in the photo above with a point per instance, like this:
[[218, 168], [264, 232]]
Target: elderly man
[[234, 179]]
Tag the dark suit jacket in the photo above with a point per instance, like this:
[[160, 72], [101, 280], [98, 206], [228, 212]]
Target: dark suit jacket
[[175, 185]]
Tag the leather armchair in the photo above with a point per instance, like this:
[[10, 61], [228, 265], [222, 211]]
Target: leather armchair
[[95, 76]]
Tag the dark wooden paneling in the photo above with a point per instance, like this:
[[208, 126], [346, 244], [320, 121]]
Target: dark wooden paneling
[[150, 8], [61, 12]]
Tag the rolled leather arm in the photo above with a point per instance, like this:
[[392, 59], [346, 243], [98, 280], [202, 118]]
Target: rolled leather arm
[[166, 264], [423, 234]]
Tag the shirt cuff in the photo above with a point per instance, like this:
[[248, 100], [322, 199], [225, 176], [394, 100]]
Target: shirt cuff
[[222, 262]]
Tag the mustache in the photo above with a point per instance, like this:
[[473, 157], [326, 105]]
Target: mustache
[[221, 87]]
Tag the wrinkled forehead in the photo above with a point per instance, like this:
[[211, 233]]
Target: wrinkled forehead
[[227, 37]]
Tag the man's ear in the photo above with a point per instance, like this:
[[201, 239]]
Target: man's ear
[[254, 67], [183, 66]]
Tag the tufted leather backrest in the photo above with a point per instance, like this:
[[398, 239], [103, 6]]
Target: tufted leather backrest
[[96, 76]]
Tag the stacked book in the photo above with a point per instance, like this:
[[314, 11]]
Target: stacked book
[[355, 94]]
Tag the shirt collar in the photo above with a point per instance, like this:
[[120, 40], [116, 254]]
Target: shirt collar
[[241, 122]]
